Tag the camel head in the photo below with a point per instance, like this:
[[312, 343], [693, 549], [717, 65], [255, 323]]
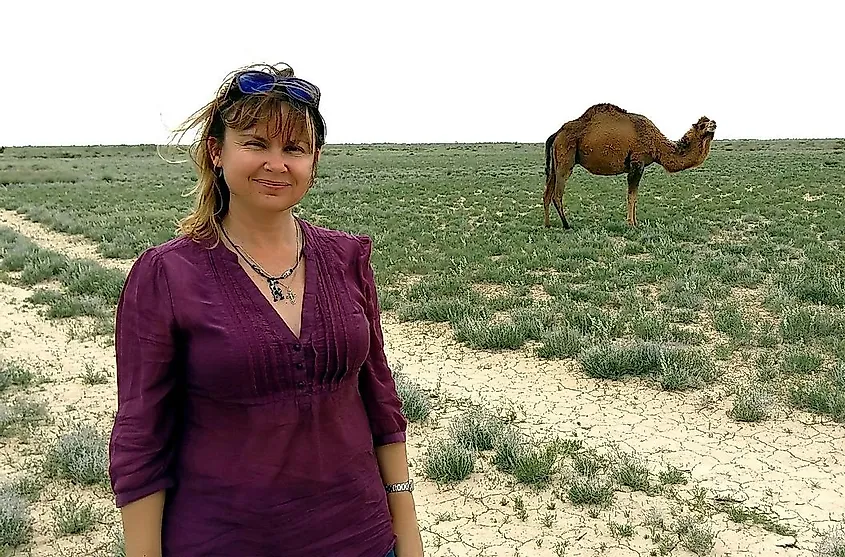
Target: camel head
[[705, 126], [699, 135]]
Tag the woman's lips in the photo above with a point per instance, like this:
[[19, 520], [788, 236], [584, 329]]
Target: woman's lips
[[273, 184]]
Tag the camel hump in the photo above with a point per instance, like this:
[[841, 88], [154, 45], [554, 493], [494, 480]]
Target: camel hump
[[602, 108]]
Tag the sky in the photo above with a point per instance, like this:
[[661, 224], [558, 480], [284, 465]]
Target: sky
[[89, 73]]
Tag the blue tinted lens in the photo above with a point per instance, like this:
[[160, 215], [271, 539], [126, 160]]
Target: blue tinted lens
[[255, 82], [259, 82], [299, 93]]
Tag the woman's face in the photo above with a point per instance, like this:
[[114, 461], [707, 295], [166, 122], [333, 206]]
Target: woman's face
[[265, 172]]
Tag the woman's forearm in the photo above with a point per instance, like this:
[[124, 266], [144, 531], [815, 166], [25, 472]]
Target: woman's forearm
[[142, 525], [393, 463]]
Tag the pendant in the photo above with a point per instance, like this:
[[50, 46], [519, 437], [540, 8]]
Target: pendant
[[277, 292]]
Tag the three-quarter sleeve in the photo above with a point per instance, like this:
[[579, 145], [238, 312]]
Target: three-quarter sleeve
[[378, 389], [141, 444]]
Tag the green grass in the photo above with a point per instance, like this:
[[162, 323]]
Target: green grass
[[474, 211], [589, 490], [87, 289], [739, 514], [673, 368], [72, 516], [16, 372], [752, 403], [15, 520], [756, 228], [448, 461], [459, 239], [822, 395], [79, 455], [20, 415], [832, 543], [416, 405]]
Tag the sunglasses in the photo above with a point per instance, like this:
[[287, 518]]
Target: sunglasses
[[256, 82]]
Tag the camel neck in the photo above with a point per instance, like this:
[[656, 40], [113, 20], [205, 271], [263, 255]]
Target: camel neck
[[677, 156]]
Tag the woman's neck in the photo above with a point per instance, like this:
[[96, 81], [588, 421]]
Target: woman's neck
[[271, 235]]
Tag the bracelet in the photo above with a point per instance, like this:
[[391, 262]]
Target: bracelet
[[402, 486]]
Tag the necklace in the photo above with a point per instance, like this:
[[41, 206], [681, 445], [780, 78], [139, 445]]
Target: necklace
[[274, 283]]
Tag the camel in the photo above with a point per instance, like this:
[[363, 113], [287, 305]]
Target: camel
[[607, 141]]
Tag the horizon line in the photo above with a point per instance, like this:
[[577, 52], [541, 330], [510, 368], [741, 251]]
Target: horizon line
[[363, 143]]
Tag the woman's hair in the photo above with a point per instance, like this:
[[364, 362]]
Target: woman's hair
[[284, 114]]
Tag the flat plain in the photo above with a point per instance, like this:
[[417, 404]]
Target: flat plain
[[675, 388]]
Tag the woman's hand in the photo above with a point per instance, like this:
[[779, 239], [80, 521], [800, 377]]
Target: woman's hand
[[405, 525]]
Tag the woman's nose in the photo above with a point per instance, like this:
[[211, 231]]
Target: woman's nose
[[275, 162]]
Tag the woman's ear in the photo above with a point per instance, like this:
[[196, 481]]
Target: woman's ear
[[214, 148]]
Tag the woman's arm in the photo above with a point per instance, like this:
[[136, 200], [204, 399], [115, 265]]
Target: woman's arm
[[387, 421], [142, 525], [393, 462], [141, 448]]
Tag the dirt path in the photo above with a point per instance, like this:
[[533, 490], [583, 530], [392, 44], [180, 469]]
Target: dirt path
[[789, 465], [75, 246]]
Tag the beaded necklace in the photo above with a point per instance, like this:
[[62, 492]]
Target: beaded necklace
[[274, 282]]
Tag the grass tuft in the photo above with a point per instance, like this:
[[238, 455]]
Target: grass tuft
[[73, 516], [823, 395], [752, 403], [448, 461], [80, 455], [832, 543], [672, 367], [16, 525], [416, 404]]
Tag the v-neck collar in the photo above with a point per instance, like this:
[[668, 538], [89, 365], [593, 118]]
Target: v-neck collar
[[258, 298]]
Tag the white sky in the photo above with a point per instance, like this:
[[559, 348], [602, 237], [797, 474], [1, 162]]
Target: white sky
[[86, 72]]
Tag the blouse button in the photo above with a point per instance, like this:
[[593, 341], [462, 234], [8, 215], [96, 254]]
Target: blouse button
[[300, 384], [297, 347], [299, 365]]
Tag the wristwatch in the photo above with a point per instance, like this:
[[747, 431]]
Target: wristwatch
[[402, 486]]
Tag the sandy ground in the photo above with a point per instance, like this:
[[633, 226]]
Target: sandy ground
[[74, 246], [792, 464]]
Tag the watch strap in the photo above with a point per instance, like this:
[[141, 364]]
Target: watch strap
[[401, 486]]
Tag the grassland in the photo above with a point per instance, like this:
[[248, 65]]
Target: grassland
[[734, 282], [745, 251]]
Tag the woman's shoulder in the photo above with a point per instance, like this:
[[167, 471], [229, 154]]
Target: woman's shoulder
[[176, 251], [347, 245]]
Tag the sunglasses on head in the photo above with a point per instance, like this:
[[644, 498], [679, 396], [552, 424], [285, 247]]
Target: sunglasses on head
[[257, 82]]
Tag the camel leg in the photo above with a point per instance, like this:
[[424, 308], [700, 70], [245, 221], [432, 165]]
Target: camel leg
[[634, 175], [558, 201], [564, 171], [547, 200]]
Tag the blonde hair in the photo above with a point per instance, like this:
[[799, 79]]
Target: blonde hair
[[288, 118]]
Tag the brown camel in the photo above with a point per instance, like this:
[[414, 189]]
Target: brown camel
[[607, 140]]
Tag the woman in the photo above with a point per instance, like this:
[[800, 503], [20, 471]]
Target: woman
[[257, 415]]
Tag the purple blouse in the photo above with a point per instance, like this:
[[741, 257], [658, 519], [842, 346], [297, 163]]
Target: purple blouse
[[264, 441]]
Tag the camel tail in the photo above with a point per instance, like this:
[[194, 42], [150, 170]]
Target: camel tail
[[550, 159]]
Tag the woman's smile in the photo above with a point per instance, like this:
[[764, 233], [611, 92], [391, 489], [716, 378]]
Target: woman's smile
[[272, 183]]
